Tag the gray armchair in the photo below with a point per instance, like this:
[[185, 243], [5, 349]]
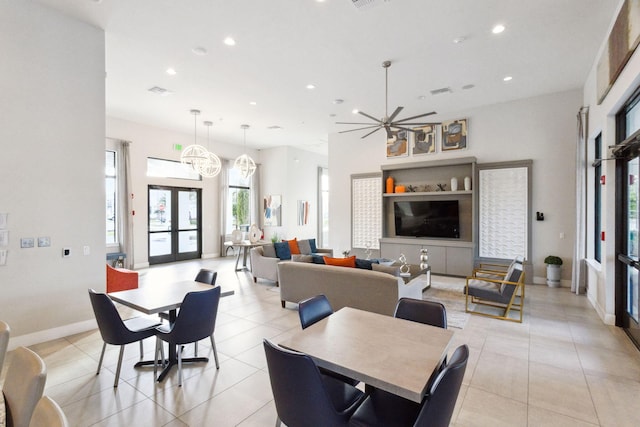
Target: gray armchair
[[504, 294]]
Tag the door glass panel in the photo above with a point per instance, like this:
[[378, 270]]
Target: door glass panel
[[632, 236], [187, 241], [159, 244], [632, 292], [187, 210], [159, 210]]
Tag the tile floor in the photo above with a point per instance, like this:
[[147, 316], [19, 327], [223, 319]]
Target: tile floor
[[561, 367]]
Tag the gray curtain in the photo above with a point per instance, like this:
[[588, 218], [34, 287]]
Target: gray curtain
[[224, 196], [578, 282], [126, 202], [255, 198]]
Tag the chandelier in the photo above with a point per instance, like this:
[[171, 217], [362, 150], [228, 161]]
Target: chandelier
[[212, 166], [194, 155], [244, 163]]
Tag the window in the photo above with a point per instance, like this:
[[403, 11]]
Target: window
[[160, 168], [238, 202], [323, 207], [111, 187], [597, 196]]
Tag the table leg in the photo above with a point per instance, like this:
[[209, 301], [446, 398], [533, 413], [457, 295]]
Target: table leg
[[238, 259], [244, 260]]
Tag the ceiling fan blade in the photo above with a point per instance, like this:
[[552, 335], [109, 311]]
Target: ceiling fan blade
[[402, 128], [354, 123], [395, 113], [370, 117], [353, 130], [373, 131], [415, 117], [420, 124]]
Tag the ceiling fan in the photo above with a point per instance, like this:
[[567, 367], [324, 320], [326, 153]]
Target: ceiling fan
[[388, 122]]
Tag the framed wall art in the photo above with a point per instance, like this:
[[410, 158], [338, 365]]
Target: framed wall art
[[425, 139], [454, 135], [398, 144], [273, 211]]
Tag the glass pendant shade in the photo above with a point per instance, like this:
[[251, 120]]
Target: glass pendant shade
[[245, 163]]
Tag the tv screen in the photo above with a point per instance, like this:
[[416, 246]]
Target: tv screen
[[427, 218]]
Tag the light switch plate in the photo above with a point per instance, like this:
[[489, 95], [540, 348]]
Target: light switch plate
[[26, 242], [44, 242]]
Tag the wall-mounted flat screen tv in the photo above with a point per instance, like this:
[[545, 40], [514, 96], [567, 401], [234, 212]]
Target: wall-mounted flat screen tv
[[427, 218]]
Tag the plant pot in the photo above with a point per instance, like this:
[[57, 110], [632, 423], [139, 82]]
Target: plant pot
[[554, 273]]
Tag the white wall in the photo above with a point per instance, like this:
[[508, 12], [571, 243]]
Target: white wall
[[542, 128], [52, 79], [602, 120], [293, 174]]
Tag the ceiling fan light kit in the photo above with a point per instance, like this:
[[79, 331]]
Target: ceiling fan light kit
[[388, 123]]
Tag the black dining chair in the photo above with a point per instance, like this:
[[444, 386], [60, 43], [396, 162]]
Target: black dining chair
[[195, 321], [313, 310], [383, 409], [417, 310], [207, 276], [303, 396], [115, 331]]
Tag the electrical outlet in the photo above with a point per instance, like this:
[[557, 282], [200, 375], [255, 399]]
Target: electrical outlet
[[86, 250]]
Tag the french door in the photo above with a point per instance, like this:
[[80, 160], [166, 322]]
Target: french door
[[174, 224]]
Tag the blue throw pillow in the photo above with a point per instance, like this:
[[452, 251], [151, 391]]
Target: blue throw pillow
[[312, 243], [317, 259], [364, 263], [282, 250]]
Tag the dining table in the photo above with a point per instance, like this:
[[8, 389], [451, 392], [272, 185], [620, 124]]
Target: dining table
[[243, 250], [161, 298], [396, 355]]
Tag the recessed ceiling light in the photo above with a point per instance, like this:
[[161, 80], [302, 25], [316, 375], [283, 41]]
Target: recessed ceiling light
[[498, 29], [508, 78], [229, 41], [275, 127], [422, 97], [332, 115], [338, 101], [469, 86], [253, 103], [199, 50], [160, 91], [171, 71], [355, 111], [311, 86], [458, 40]]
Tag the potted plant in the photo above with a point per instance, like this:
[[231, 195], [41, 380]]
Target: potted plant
[[554, 264]]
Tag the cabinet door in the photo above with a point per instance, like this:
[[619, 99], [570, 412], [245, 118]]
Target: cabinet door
[[393, 251], [459, 261], [437, 258]]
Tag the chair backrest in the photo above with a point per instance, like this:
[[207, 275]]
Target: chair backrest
[[207, 276], [427, 312], [298, 390], [197, 317], [5, 332], [440, 401], [313, 309], [514, 274], [23, 386], [48, 414], [110, 324]]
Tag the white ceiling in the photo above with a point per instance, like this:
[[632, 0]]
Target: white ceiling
[[283, 45]]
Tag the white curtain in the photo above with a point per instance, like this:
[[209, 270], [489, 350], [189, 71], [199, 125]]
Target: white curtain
[[224, 197], [578, 282], [255, 197], [126, 213]]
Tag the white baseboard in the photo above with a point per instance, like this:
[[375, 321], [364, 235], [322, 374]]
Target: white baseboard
[[564, 283], [140, 265], [51, 334], [213, 255]]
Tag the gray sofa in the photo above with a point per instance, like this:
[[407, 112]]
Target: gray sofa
[[266, 267], [368, 290]]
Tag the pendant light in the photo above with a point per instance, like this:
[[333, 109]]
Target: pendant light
[[244, 163], [213, 165], [194, 155]]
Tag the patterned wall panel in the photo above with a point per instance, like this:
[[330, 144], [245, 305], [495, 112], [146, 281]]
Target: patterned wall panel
[[503, 213], [366, 212]]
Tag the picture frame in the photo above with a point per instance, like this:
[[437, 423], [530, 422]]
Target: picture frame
[[454, 135], [425, 139], [398, 144], [273, 211]]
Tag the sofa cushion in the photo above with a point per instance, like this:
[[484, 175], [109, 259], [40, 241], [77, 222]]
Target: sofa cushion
[[269, 251], [364, 263], [305, 247], [317, 259], [314, 248], [341, 262], [293, 246], [301, 258], [282, 250], [394, 271]]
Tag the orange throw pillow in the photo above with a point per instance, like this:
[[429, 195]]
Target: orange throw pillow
[[293, 246], [341, 262]]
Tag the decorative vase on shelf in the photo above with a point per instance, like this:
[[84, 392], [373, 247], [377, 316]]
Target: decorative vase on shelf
[[236, 236], [254, 233], [454, 184], [390, 184], [467, 183]]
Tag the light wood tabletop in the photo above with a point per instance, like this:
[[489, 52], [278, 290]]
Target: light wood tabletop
[[392, 354]]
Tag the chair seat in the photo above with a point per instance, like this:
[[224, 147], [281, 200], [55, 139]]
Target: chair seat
[[137, 324], [487, 290]]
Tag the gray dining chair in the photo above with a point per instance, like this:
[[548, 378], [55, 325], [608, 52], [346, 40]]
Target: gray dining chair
[[23, 386], [5, 332], [48, 414]]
